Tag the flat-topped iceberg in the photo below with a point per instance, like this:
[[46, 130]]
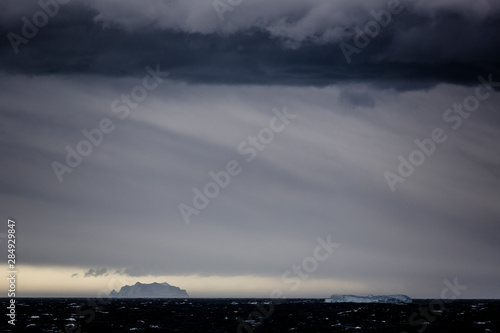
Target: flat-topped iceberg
[[394, 299], [153, 290]]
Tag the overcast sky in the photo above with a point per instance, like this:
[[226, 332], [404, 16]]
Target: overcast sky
[[384, 142]]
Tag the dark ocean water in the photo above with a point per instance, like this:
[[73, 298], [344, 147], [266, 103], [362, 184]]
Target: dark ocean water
[[248, 315]]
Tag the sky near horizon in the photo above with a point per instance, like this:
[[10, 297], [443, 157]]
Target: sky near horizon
[[239, 148]]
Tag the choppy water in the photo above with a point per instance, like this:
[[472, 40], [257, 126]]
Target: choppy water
[[247, 315]]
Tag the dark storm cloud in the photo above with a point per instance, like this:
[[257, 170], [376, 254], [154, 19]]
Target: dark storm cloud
[[423, 47], [355, 98]]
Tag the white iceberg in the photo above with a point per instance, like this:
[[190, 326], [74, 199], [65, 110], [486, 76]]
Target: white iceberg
[[394, 299]]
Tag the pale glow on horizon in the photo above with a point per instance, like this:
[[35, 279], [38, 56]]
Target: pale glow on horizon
[[57, 281]]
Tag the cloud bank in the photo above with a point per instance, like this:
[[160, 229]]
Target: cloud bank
[[260, 42]]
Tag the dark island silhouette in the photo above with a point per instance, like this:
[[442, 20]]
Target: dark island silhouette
[[152, 290]]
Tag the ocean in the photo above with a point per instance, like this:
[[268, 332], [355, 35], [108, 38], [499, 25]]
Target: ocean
[[80, 315]]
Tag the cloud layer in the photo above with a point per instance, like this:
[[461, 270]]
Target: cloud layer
[[297, 42]]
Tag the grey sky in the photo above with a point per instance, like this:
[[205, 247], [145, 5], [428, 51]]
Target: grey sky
[[322, 175]]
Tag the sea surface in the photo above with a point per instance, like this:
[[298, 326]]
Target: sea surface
[[248, 315]]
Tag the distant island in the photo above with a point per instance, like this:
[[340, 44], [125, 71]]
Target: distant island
[[394, 299], [152, 290]]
